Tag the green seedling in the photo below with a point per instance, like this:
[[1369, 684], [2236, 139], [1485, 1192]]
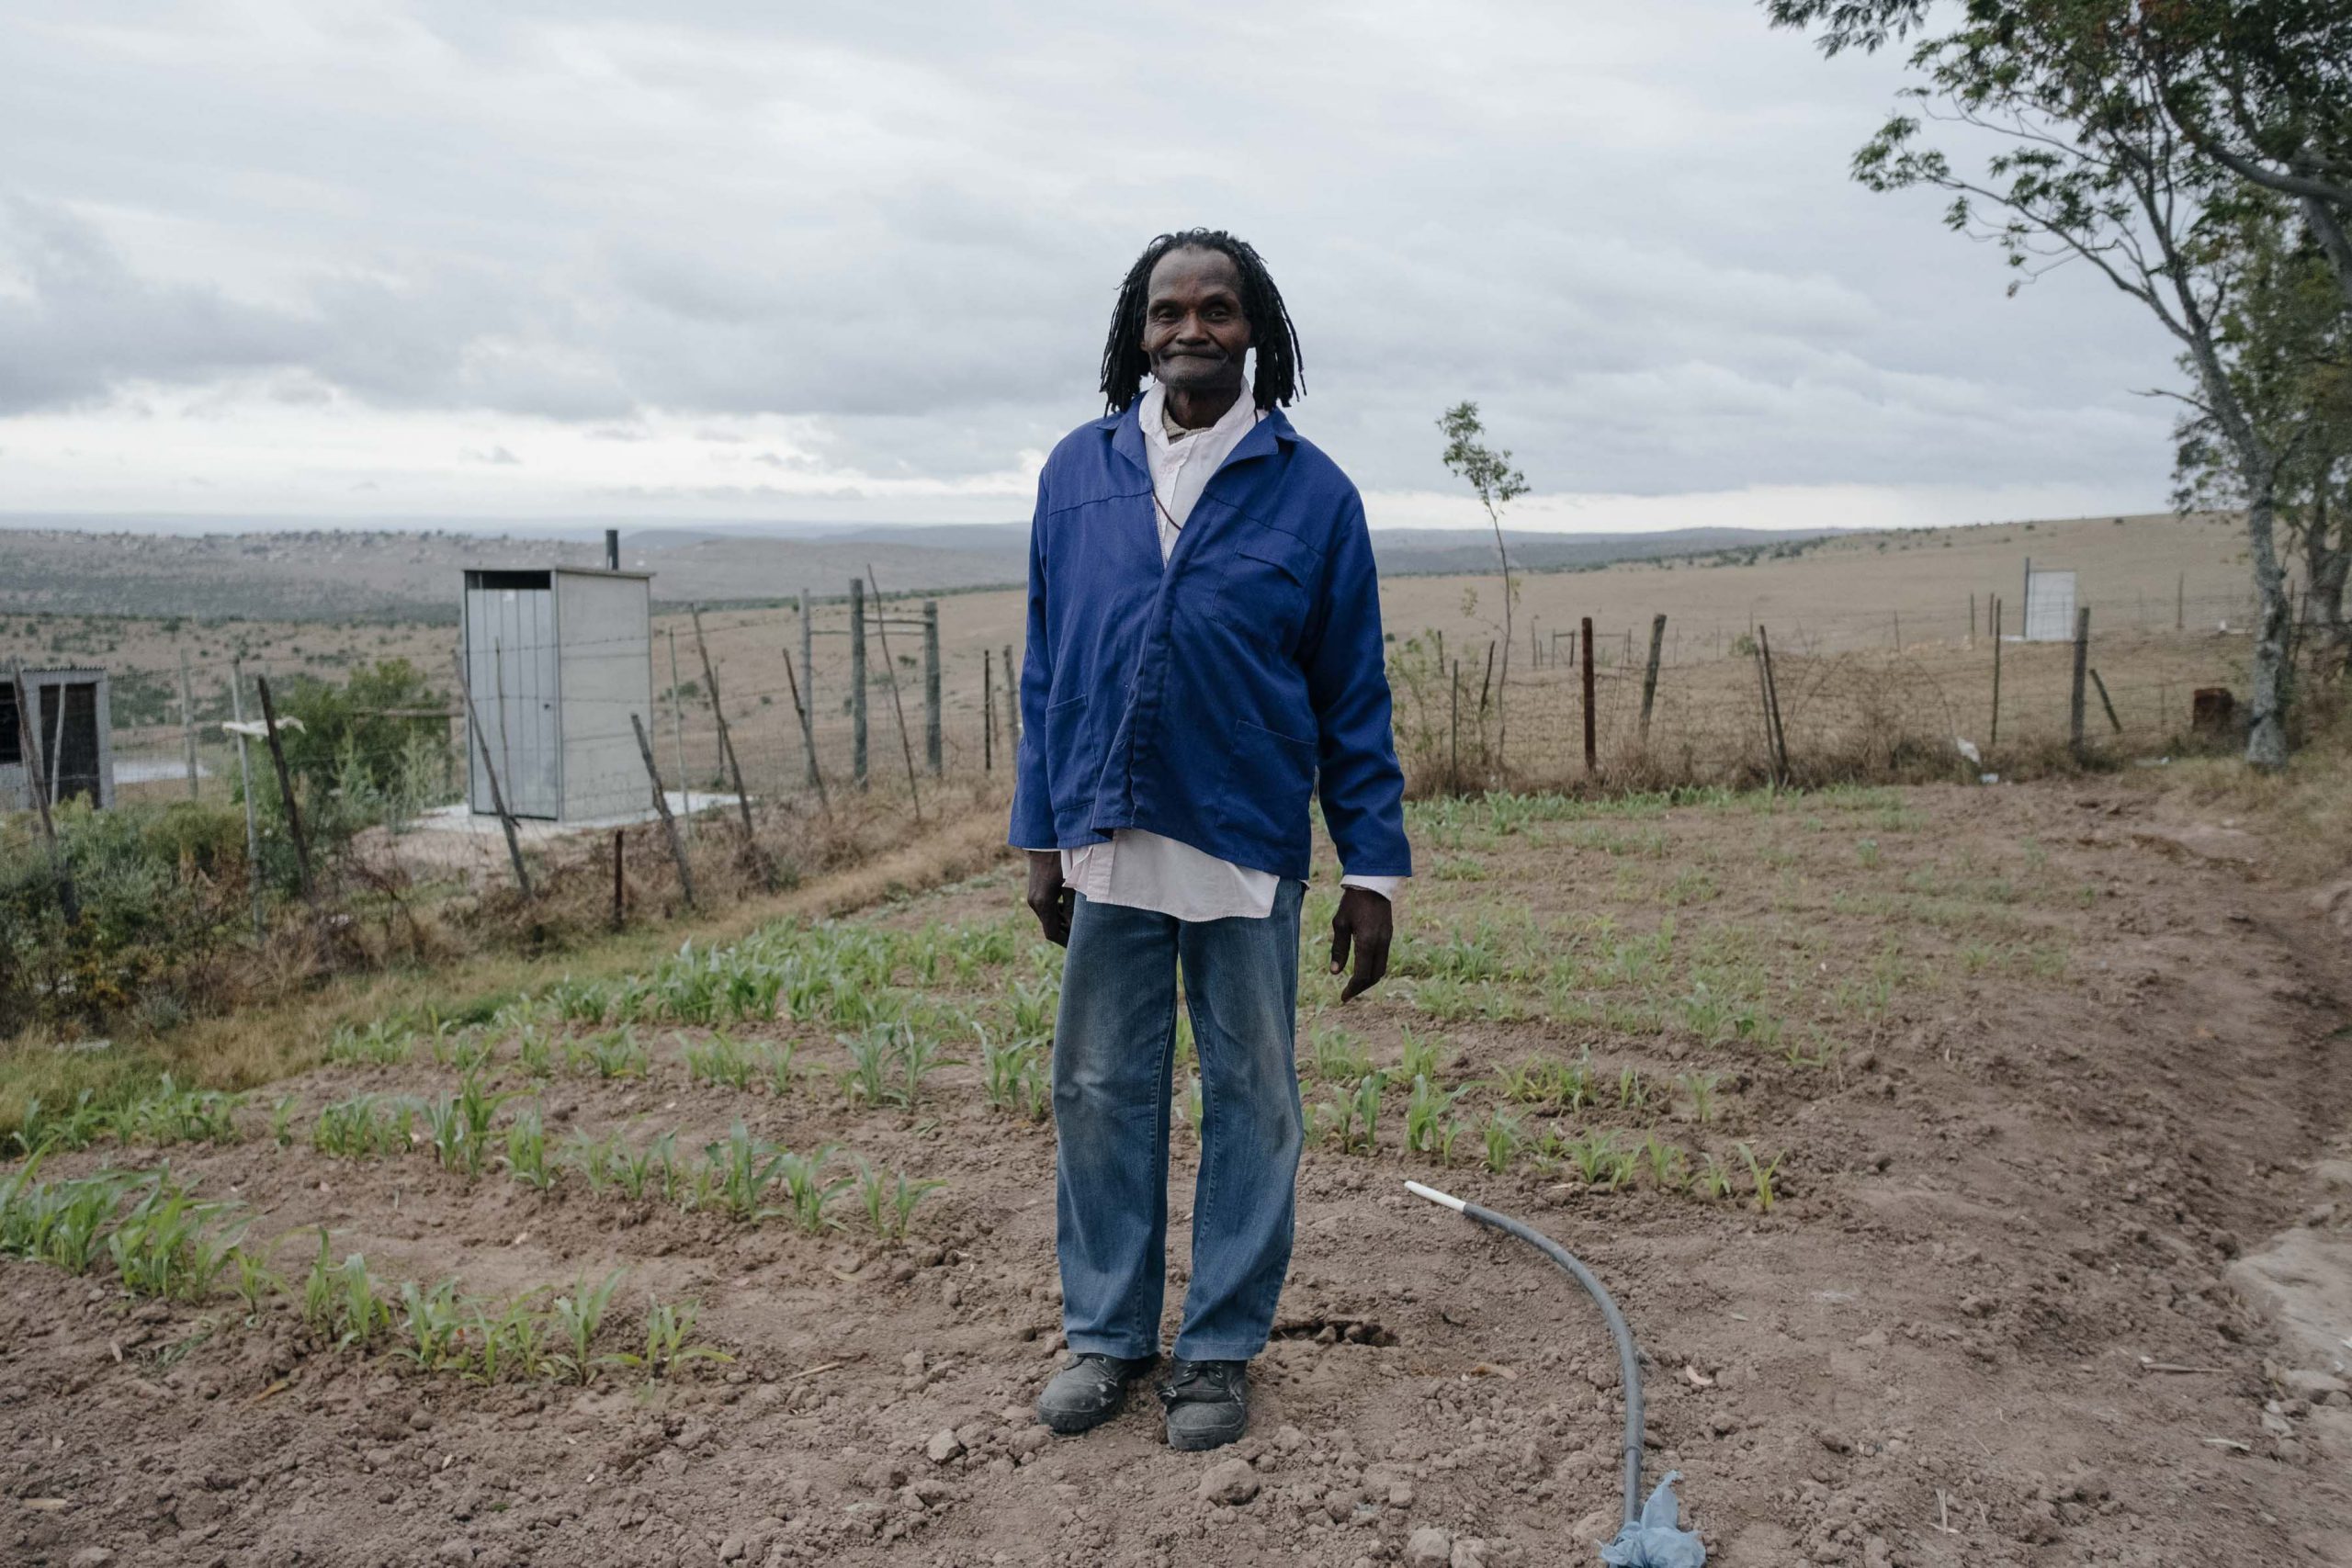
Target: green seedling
[[668, 1330], [511, 1346], [380, 1044], [176, 1115], [653, 1168], [527, 1149], [1760, 1175], [1503, 1138], [1194, 1108], [720, 1060], [594, 1158], [745, 1167], [167, 1246], [889, 1207], [1033, 1004], [1420, 1056], [1700, 1088], [1712, 1178], [433, 1325], [617, 1053], [919, 1057], [578, 1318], [254, 1283], [1426, 1112], [808, 1197], [1667, 1163], [866, 1080], [1338, 1056], [281, 1120], [1594, 1156], [1359, 1115], [535, 1055], [1633, 1094], [1321, 1120]]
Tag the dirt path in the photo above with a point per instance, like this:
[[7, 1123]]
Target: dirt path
[[2039, 1071]]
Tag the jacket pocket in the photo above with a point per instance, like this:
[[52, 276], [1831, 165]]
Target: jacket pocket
[[1266, 792], [1070, 775], [1264, 577]]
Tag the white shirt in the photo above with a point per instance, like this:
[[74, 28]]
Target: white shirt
[[1150, 871]]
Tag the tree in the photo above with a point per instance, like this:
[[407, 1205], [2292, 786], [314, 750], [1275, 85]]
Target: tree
[[1496, 483], [2286, 345], [2091, 166]]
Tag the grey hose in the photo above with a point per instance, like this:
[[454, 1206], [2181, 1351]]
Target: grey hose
[[1628, 1359]]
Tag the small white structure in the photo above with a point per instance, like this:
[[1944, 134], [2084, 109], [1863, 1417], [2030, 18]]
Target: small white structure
[[76, 738], [558, 658], [2049, 605]]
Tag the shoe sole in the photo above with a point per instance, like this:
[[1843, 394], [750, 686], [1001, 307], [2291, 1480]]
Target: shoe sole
[[1216, 1438], [1070, 1423]]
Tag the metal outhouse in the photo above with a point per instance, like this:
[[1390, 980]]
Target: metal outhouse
[[75, 739], [557, 661]]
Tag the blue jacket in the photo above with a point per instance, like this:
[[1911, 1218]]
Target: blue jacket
[[1202, 701]]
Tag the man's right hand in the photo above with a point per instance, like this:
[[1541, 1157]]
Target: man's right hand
[[1050, 898]]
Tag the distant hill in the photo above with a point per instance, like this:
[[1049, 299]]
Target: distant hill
[[161, 567]]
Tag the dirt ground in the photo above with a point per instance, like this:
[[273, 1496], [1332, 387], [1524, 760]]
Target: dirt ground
[[2053, 1077]]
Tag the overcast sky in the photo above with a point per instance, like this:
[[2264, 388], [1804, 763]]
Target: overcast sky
[[582, 258]]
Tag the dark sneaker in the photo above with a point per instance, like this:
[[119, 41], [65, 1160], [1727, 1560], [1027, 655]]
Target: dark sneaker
[[1088, 1391], [1207, 1402]]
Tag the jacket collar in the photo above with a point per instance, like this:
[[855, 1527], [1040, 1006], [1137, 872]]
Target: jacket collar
[[1127, 435]]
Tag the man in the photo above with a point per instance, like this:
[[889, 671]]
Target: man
[[1204, 649]]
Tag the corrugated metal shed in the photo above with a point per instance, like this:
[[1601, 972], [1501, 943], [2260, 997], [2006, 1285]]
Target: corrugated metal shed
[[76, 738], [557, 659]]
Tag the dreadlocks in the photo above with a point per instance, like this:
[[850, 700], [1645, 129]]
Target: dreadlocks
[[1281, 375]]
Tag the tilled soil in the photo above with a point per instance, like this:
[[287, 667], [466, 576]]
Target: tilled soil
[[2046, 1066]]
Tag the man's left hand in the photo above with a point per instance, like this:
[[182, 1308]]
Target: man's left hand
[[1364, 923]]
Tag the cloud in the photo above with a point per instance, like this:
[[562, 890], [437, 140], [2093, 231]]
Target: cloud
[[1626, 231]]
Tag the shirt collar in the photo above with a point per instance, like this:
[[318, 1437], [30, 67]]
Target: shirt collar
[[1152, 416]]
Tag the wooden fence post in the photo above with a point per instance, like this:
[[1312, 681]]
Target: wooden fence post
[[662, 805], [2106, 702], [987, 710], [2082, 665], [807, 733], [1454, 752], [286, 783], [857, 681], [1591, 746], [906, 744], [620, 897], [489, 772], [809, 668], [1649, 676], [29, 743], [931, 740], [678, 733], [245, 783], [727, 750], [1012, 707], [1772, 700], [187, 723], [1993, 614]]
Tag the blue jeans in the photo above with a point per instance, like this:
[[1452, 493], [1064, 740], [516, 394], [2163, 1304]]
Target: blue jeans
[[1114, 1050]]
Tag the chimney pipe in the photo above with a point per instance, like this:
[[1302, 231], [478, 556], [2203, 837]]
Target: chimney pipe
[[612, 550]]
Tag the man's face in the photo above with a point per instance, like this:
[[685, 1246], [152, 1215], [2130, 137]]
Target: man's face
[[1194, 329]]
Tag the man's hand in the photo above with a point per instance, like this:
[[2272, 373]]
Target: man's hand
[[1362, 922], [1052, 901]]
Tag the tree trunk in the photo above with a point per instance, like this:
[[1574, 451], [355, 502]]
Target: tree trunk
[[2266, 741], [2327, 561], [1502, 718]]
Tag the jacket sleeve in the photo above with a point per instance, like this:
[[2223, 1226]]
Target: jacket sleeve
[[1033, 812], [1347, 681]]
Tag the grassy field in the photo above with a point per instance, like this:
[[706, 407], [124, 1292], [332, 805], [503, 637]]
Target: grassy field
[[1872, 625], [1896, 1117]]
